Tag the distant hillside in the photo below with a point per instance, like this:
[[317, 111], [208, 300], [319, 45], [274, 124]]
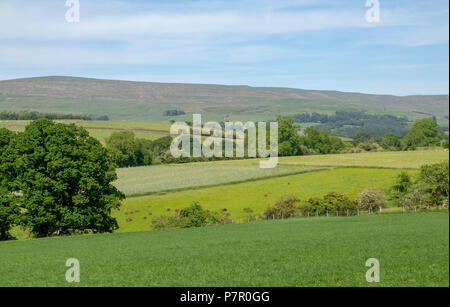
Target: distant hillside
[[146, 101]]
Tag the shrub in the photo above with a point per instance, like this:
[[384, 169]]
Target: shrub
[[283, 208], [434, 180], [371, 199], [337, 202]]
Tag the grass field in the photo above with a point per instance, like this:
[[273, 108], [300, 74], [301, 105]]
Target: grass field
[[216, 186], [136, 212], [157, 178], [390, 159], [413, 250], [103, 129]]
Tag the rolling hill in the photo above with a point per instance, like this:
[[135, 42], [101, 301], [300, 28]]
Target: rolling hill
[[146, 101]]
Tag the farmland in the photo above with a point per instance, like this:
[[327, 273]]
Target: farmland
[[218, 185], [134, 214], [103, 129], [412, 250]]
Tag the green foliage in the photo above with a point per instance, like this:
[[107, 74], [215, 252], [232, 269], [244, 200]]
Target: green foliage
[[423, 133], [435, 181], [400, 188], [445, 144], [371, 199], [64, 179], [283, 208], [9, 212], [391, 142], [288, 140], [335, 202], [192, 216], [346, 123], [320, 142], [431, 189], [127, 150], [361, 137], [38, 115]]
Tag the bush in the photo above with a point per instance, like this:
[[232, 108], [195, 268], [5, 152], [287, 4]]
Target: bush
[[192, 216], [434, 180], [371, 199], [337, 202], [283, 208]]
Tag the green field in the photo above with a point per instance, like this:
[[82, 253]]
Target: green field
[[218, 185], [158, 178], [413, 250], [101, 130], [389, 159], [136, 212]]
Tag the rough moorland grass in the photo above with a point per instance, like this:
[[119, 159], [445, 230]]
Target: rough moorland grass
[[136, 212], [413, 250], [157, 178]]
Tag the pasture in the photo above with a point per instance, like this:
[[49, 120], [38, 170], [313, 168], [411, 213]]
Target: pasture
[[101, 130], [136, 213], [159, 178], [413, 250], [241, 184]]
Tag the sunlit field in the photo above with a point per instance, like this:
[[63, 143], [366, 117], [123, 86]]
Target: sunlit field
[[413, 250]]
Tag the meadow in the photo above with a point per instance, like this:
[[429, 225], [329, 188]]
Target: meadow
[[413, 250], [101, 130], [161, 178], [218, 185], [136, 213], [173, 177]]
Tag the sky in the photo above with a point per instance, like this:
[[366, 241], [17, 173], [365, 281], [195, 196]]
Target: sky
[[307, 44]]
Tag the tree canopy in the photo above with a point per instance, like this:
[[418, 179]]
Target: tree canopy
[[62, 177]]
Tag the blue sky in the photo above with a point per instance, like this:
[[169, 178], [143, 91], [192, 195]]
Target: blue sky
[[308, 44]]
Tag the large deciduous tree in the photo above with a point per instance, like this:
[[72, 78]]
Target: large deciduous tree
[[63, 178]]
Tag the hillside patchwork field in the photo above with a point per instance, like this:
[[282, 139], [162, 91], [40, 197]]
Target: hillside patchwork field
[[217, 185]]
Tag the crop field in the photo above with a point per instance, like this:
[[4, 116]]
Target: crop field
[[101, 130], [413, 250]]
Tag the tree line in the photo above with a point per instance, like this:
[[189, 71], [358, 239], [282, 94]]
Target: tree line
[[127, 150]]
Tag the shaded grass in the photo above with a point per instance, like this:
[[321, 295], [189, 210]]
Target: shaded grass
[[413, 250]]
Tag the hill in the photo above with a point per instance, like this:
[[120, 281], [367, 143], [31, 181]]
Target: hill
[[147, 101]]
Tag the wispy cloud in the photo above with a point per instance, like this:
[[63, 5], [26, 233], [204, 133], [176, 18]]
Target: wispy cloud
[[209, 40]]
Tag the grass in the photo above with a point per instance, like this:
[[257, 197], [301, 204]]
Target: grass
[[413, 250], [157, 178], [394, 159], [136, 212], [101, 130]]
